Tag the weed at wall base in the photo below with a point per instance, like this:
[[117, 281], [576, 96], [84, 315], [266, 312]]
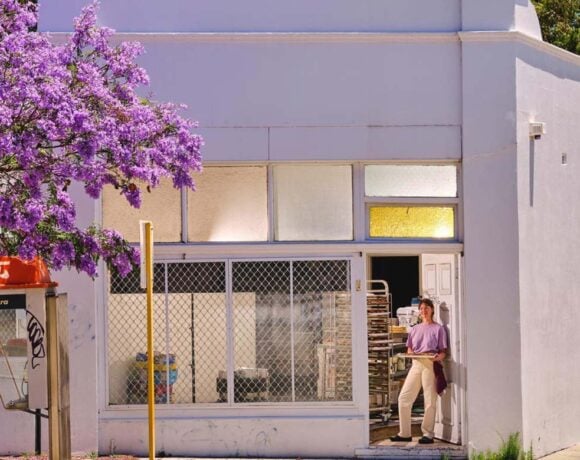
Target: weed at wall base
[[509, 450]]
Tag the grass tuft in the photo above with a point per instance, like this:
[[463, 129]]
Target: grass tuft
[[509, 450]]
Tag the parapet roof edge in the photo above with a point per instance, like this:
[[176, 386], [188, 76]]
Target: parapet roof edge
[[519, 37], [305, 37], [338, 37]]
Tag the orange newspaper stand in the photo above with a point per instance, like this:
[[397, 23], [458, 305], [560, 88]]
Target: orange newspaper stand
[[24, 286]]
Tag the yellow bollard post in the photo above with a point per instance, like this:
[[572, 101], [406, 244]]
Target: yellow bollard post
[[150, 355]]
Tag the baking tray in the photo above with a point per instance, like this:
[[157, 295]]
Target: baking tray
[[417, 356]]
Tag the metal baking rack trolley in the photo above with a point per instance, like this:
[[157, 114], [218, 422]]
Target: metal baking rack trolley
[[379, 348]]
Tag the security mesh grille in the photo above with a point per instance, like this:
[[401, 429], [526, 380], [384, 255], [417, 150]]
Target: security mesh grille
[[7, 325], [262, 346], [127, 334], [322, 331], [13, 360], [197, 335], [291, 336], [189, 335]]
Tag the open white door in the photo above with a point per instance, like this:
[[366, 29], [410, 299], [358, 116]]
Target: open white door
[[440, 283]]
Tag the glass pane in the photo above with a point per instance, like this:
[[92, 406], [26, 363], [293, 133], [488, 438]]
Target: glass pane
[[411, 222], [261, 299], [197, 321], [230, 204], [162, 206], [411, 180], [313, 203], [292, 317], [322, 330], [190, 341], [127, 338]]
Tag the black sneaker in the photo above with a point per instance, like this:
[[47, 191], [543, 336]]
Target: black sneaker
[[426, 440], [398, 438]]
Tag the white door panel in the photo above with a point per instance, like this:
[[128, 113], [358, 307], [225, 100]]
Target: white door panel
[[439, 283]]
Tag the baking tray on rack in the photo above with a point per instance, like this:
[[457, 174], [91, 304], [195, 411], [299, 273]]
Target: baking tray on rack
[[417, 355]]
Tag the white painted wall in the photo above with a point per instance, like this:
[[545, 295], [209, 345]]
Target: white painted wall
[[312, 98], [496, 15], [18, 432], [240, 436], [527, 20], [300, 15], [263, 15], [85, 338], [548, 89], [491, 301]]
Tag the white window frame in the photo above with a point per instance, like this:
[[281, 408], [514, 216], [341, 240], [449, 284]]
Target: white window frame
[[360, 204], [230, 352], [454, 202]]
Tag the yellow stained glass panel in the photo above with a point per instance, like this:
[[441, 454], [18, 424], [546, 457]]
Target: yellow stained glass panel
[[412, 222]]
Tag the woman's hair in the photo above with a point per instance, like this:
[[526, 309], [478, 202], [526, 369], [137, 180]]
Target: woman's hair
[[429, 303]]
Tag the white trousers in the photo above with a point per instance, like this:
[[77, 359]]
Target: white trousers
[[420, 374]]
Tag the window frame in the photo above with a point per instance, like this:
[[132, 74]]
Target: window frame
[[360, 205], [230, 404], [272, 218], [453, 202]]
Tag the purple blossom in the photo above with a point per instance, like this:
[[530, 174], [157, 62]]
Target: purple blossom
[[27, 250], [33, 214], [6, 212], [63, 254], [64, 212], [73, 112], [88, 265], [123, 263]]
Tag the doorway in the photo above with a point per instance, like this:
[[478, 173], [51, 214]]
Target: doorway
[[399, 271], [409, 277]]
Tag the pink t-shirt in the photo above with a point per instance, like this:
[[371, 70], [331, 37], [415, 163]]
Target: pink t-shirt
[[427, 338]]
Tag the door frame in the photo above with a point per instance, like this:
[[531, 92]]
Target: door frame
[[417, 250]]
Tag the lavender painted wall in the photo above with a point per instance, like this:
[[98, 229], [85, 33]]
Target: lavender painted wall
[[549, 251]]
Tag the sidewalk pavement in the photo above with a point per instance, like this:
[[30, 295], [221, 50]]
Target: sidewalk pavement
[[570, 453]]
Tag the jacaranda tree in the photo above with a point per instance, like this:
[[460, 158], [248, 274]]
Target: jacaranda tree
[[70, 113]]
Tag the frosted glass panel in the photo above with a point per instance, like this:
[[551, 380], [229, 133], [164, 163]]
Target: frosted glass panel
[[313, 203], [410, 180], [230, 204], [411, 222], [162, 207]]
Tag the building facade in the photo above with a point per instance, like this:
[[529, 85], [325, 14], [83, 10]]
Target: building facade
[[341, 138]]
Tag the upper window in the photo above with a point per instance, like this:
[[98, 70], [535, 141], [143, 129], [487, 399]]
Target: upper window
[[313, 202], [162, 207], [297, 202], [411, 201], [411, 222], [229, 204], [411, 181]]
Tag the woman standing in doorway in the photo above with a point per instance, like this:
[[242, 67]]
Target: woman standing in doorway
[[427, 338]]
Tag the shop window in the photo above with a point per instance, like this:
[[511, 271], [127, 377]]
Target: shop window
[[288, 317], [229, 204], [162, 207], [411, 181], [411, 222], [313, 202], [291, 338]]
